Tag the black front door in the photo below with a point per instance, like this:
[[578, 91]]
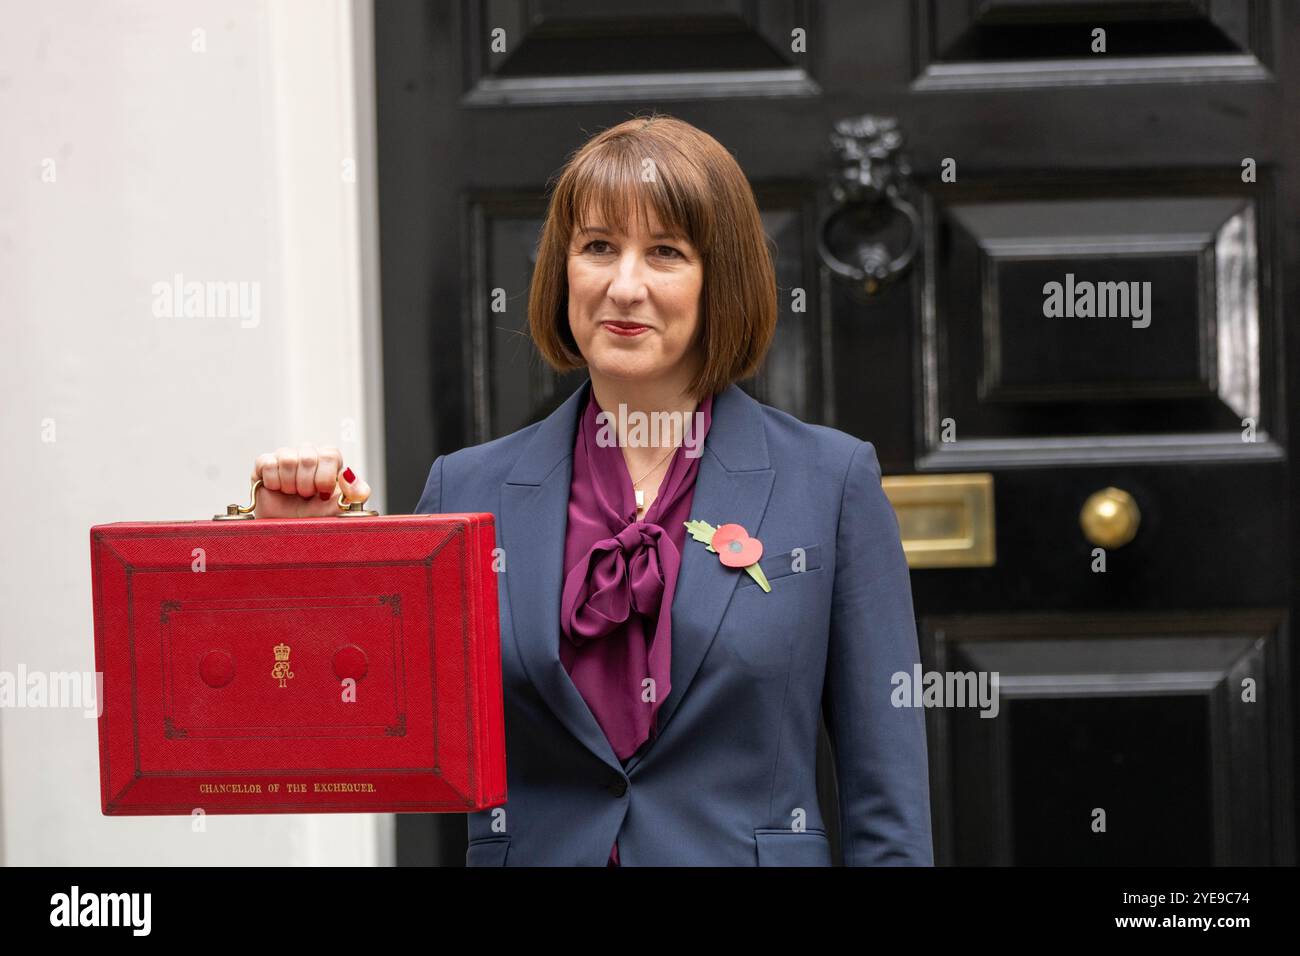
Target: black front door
[[1037, 254]]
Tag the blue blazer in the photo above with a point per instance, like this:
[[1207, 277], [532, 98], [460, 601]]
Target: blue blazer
[[730, 780]]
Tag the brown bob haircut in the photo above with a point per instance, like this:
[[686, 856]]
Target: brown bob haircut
[[697, 190]]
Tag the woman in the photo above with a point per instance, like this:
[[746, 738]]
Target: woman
[[662, 696]]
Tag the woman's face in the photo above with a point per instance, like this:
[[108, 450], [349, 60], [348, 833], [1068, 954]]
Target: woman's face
[[634, 301]]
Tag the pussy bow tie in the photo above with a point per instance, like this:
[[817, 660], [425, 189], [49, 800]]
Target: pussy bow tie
[[617, 577]]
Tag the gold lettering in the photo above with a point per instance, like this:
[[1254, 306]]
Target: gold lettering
[[240, 788]]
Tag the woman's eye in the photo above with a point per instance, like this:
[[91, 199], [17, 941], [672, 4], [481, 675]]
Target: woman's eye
[[667, 252]]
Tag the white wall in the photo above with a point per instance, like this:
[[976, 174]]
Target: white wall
[[222, 164]]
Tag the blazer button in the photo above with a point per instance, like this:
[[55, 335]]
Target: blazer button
[[618, 786]]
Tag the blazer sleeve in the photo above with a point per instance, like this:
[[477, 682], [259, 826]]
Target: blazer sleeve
[[431, 499], [881, 764]]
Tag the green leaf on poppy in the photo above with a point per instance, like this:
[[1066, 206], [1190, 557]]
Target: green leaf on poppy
[[701, 531]]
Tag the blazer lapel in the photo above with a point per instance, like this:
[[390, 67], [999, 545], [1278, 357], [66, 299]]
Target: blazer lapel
[[535, 518], [733, 485]]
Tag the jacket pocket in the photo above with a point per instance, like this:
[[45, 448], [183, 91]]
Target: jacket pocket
[[781, 564], [792, 847], [488, 851]]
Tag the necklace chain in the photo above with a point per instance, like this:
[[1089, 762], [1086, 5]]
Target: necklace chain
[[656, 465], [640, 495]]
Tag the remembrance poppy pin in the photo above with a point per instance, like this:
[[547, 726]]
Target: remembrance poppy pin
[[733, 545]]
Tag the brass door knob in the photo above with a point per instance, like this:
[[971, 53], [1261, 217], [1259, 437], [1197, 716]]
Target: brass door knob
[[1110, 518]]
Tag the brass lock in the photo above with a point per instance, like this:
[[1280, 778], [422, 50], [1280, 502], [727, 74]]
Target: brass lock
[[347, 509]]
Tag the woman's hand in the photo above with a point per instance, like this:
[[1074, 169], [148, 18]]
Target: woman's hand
[[294, 480]]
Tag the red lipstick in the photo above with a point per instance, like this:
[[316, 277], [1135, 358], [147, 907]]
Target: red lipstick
[[625, 328]]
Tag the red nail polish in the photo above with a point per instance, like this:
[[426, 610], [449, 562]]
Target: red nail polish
[[348, 476]]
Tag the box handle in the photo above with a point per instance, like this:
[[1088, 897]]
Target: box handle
[[347, 509]]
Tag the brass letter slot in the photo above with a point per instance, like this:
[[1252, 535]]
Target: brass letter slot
[[946, 521]]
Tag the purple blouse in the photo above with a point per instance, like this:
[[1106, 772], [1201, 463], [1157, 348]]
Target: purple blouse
[[618, 574]]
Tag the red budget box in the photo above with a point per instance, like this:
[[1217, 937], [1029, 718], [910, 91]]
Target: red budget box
[[310, 665]]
